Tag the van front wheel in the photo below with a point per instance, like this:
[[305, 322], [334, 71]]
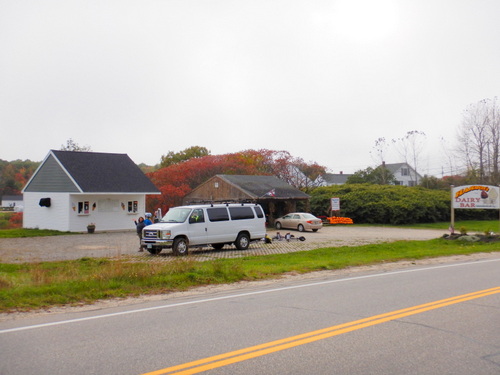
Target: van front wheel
[[242, 242], [180, 246], [155, 250]]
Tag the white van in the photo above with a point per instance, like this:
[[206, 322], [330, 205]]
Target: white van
[[206, 224]]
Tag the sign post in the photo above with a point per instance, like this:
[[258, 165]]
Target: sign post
[[452, 224]]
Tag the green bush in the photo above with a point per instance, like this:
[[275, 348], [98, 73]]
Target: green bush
[[389, 204], [4, 219]]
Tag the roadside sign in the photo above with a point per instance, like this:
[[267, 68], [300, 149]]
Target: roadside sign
[[335, 203], [476, 196], [473, 197]]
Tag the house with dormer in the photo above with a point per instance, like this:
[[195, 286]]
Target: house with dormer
[[72, 189], [404, 174]]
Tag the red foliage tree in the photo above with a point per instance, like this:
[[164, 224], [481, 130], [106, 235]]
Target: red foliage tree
[[16, 220], [176, 180]]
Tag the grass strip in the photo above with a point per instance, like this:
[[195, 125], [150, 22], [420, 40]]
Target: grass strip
[[24, 232], [42, 285], [471, 226]]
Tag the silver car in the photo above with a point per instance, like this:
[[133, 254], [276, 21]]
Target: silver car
[[299, 220]]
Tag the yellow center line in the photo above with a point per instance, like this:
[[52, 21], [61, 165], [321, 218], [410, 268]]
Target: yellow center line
[[225, 359]]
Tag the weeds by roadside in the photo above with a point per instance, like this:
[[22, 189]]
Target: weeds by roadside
[[42, 285]]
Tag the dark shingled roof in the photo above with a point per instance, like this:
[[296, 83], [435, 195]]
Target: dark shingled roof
[[335, 178], [259, 186], [96, 172]]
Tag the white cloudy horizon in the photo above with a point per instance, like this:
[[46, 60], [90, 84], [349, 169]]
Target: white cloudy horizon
[[320, 79]]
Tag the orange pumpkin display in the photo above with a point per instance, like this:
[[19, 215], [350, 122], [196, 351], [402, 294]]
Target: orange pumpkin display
[[339, 220]]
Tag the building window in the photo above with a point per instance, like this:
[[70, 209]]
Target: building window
[[132, 207], [405, 171], [83, 208]]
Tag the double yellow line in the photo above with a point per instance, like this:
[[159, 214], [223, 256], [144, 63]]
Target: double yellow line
[[225, 359]]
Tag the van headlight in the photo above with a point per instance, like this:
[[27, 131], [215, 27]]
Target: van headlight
[[165, 234]]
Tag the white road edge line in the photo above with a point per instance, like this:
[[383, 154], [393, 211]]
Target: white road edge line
[[240, 295]]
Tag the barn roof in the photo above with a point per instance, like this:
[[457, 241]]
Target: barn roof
[[262, 187]]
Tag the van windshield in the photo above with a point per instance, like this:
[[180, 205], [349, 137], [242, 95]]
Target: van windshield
[[176, 215]]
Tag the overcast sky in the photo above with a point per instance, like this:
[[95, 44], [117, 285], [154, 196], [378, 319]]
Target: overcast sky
[[320, 79]]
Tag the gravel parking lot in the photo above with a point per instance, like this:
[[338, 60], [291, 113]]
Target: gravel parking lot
[[116, 244]]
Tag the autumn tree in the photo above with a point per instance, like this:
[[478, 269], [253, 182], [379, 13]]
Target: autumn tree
[[479, 140], [304, 176], [294, 171], [178, 157], [178, 179], [14, 175]]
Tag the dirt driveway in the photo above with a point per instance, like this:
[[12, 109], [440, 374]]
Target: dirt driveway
[[116, 244]]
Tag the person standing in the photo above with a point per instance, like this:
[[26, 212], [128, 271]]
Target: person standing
[[148, 221], [140, 224]]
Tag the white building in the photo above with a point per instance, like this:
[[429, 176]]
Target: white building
[[329, 179], [13, 202], [70, 190], [404, 174]]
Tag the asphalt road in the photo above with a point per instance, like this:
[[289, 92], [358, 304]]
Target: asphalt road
[[365, 328]]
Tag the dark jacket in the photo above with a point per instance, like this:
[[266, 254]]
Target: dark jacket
[[139, 227]]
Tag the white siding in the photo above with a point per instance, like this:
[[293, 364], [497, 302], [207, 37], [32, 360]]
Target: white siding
[[107, 212], [53, 217], [110, 211]]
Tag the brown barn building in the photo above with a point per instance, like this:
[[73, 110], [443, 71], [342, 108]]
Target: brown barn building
[[276, 197]]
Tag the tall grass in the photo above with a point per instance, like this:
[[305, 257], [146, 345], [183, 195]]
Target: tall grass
[[42, 285]]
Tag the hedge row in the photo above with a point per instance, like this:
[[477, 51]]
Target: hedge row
[[389, 204]]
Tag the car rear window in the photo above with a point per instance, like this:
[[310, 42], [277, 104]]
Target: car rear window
[[218, 214], [241, 213]]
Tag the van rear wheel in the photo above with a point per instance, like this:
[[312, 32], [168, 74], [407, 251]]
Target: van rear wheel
[[180, 246], [242, 242]]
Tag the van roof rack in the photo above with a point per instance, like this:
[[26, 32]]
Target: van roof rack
[[222, 201]]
